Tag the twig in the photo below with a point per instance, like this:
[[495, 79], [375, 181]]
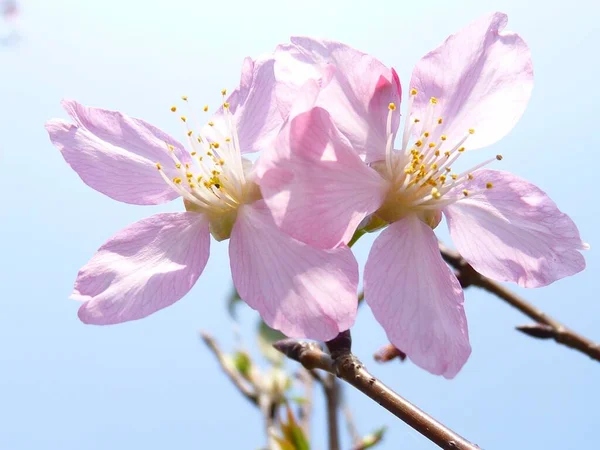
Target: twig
[[545, 328], [305, 409], [347, 366], [389, 352], [231, 373], [330, 386]]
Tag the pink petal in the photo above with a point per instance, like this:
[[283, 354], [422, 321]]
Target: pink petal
[[514, 231], [116, 154], [302, 291], [253, 105], [356, 88], [483, 79], [145, 267], [416, 297], [317, 188]]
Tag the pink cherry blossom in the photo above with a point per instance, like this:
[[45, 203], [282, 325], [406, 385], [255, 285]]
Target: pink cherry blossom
[[302, 291], [466, 94]]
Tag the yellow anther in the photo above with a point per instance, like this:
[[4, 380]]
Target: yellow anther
[[413, 91], [470, 176], [448, 169], [178, 165], [187, 165], [199, 139], [417, 120], [442, 179], [215, 172], [215, 145], [189, 175], [158, 166], [454, 176], [205, 108], [192, 185], [209, 154], [462, 149], [440, 120], [177, 180], [447, 154], [421, 156], [433, 100], [434, 166], [184, 98], [190, 133], [227, 139], [170, 147], [226, 105], [437, 153], [443, 137], [499, 157], [465, 193], [193, 153], [223, 91], [212, 124], [419, 143], [471, 130], [426, 134], [392, 106], [183, 119], [435, 193], [173, 108], [221, 161], [199, 179], [489, 185], [431, 145]]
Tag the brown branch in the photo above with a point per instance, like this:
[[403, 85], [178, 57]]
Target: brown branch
[[330, 387], [346, 366], [545, 327], [231, 373]]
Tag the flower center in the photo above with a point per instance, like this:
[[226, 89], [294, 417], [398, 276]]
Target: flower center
[[214, 178], [420, 173]]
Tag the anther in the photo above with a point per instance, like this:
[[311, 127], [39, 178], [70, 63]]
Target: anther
[[443, 137], [189, 133], [183, 118], [471, 130], [177, 180], [426, 134], [417, 120], [215, 144], [462, 149], [470, 176], [413, 91], [419, 143], [433, 100], [465, 193], [178, 165], [173, 108], [440, 121], [171, 147], [499, 157], [223, 91], [184, 98], [158, 166], [226, 105], [392, 106], [212, 124], [205, 109], [489, 185]]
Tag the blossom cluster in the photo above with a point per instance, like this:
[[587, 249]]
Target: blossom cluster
[[324, 119]]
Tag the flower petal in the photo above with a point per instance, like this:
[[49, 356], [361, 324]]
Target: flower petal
[[317, 188], [514, 231], [356, 85], [253, 106], [145, 267], [482, 78], [416, 297], [116, 154], [302, 291]]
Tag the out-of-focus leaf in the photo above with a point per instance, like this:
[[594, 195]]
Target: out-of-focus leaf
[[266, 337], [283, 444], [243, 364], [233, 301], [298, 400], [372, 439], [293, 432]]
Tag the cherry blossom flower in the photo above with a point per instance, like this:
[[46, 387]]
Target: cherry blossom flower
[[300, 290], [335, 167]]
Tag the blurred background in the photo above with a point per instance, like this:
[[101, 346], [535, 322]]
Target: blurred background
[[151, 384]]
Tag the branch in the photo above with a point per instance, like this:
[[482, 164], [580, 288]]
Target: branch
[[231, 373], [347, 366], [545, 327], [305, 409], [330, 386]]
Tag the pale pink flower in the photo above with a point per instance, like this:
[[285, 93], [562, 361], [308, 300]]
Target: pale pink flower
[[302, 291], [465, 94]]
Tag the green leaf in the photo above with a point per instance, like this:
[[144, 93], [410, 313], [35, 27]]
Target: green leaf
[[293, 432], [242, 363], [373, 439], [266, 337]]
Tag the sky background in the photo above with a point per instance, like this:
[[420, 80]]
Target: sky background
[[151, 384]]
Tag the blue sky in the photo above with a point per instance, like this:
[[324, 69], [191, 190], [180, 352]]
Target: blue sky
[[151, 384]]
